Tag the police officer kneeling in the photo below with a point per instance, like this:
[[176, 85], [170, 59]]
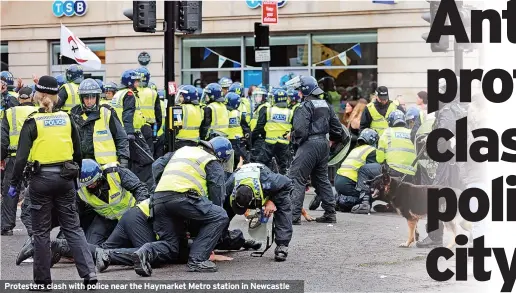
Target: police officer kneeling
[[254, 185], [50, 141], [191, 178]]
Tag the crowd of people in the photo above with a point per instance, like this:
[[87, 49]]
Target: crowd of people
[[89, 157]]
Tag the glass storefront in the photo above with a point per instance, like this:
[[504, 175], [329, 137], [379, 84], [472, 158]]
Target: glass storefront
[[350, 58], [59, 65]]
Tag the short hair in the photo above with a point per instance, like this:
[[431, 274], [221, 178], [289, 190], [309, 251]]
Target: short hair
[[423, 96]]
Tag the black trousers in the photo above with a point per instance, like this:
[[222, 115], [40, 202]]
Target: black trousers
[[47, 191], [9, 204], [100, 230], [280, 152], [347, 196]]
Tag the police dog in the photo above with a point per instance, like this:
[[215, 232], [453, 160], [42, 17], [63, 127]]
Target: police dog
[[410, 201]]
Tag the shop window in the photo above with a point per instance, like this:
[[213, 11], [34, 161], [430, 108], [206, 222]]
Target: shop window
[[355, 49], [5, 56], [286, 51], [211, 53], [203, 78]]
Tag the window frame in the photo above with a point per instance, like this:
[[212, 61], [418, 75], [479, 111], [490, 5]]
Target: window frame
[[6, 44], [61, 68], [310, 68]]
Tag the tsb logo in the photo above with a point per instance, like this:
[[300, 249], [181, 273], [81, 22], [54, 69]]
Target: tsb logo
[[69, 8]]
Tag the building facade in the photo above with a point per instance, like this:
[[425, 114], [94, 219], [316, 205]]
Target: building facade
[[356, 42]]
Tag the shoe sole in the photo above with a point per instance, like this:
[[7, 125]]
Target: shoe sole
[[140, 268], [280, 258], [190, 269]]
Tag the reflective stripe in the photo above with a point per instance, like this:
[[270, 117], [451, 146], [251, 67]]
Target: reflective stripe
[[185, 122], [191, 164], [215, 119], [14, 127], [358, 159], [189, 177], [72, 91], [403, 167]]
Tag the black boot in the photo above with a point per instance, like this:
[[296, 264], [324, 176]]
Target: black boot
[[206, 266], [7, 232], [251, 244], [27, 251], [281, 253], [434, 238], [90, 281], [364, 207], [296, 221], [142, 259], [314, 203], [102, 259], [327, 218]]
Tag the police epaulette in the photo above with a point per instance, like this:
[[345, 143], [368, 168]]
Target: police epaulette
[[31, 115]]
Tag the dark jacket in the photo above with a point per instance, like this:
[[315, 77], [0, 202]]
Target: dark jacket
[[315, 117], [273, 184], [365, 121], [215, 178], [28, 134], [8, 101], [259, 130], [4, 150], [86, 128], [129, 107]]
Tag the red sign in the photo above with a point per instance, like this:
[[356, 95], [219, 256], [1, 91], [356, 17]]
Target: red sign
[[269, 12], [172, 88]]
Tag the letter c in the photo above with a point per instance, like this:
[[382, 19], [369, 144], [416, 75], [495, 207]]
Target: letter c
[[432, 146], [431, 264]]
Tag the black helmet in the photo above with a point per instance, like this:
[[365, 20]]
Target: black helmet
[[89, 88], [369, 136]]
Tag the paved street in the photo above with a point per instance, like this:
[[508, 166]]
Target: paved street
[[358, 254]]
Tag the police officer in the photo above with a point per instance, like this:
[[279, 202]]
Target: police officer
[[50, 141], [225, 83], [11, 127], [245, 103], [422, 104], [376, 113], [216, 116], [311, 125], [259, 97], [127, 106], [9, 79], [8, 99], [192, 187], [412, 116], [103, 138], [397, 149], [347, 175], [61, 80], [188, 135], [294, 100], [69, 92], [110, 89], [159, 145], [150, 106], [275, 123], [110, 190], [256, 186], [238, 129]]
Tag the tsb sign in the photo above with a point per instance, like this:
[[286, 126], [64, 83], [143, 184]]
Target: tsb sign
[[69, 8], [257, 3]]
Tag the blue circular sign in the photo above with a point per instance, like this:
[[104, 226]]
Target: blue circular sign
[[68, 8], [282, 3], [80, 7], [253, 3], [57, 8]]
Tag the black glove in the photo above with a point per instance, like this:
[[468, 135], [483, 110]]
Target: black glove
[[124, 163], [131, 137]]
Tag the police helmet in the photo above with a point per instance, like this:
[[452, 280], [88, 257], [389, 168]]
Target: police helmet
[[145, 74], [129, 77], [259, 95], [368, 136], [74, 73], [90, 173], [161, 94], [200, 93], [412, 114], [87, 89], [110, 87], [222, 148], [294, 96], [60, 80], [396, 118], [153, 86], [100, 83], [237, 88], [280, 96], [189, 94], [233, 100], [213, 93], [7, 77], [225, 82], [309, 86]]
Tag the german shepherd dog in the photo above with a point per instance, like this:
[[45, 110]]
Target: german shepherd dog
[[410, 201]]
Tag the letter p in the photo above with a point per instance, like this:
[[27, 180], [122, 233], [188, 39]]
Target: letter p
[[439, 90], [442, 206]]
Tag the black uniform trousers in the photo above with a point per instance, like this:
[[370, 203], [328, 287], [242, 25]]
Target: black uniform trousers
[[240, 151], [170, 211], [9, 204], [47, 191], [148, 136], [141, 159], [347, 196], [279, 151], [311, 160], [99, 230]]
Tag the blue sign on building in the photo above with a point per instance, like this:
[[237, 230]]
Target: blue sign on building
[[69, 8], [257, 3]]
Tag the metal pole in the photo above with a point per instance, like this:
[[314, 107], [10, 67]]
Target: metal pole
[[265, 75], [170, 12]]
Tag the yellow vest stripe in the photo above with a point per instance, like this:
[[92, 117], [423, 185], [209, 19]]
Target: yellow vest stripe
[[14, 133], [403, 168]]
